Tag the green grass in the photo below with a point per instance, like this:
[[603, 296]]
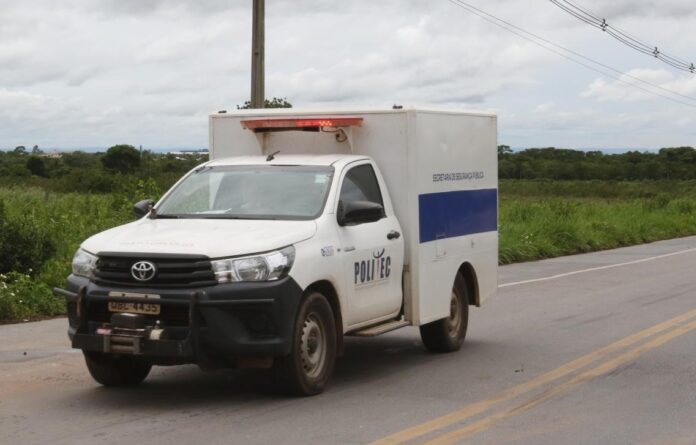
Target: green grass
[[69, 218], [595, 189], [543, 219], [538, 219]]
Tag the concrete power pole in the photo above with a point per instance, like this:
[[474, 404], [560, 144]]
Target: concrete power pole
[[257, 56]]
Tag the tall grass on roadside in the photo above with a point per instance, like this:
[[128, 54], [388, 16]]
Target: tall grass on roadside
[[547, 219], [68, 219], [538, 219], [24, 298], [596, 189]]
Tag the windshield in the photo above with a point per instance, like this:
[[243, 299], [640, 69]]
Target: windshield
[[250, 192]]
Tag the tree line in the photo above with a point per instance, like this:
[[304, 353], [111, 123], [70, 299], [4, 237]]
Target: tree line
[[103, 172], [111, 170], [673, 163]]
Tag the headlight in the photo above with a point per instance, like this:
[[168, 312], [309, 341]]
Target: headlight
[[266, 267], [83, 263]]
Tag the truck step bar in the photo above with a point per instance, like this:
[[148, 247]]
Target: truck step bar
[[380, 329]]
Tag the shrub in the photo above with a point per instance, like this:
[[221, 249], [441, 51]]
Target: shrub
[[37, 166], [86, 181], [121, 158], [22, 298], [24, 244]]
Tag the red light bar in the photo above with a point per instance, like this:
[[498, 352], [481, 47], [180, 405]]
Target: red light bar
[[258, 124]]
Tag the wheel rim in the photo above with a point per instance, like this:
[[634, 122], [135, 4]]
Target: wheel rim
[[455, 319], [313, 346]]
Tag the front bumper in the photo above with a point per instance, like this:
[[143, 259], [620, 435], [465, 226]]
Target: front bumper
[[214, 323]]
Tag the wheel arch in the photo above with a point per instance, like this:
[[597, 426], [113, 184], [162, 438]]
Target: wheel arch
[[326, 288], [468, 272]]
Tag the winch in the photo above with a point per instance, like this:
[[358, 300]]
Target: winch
[[126, 331]]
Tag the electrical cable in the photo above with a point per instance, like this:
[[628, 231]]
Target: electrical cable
[[586, 12], [627, 39], [549, 46], [619, 31], [623, 36], [596, 24]]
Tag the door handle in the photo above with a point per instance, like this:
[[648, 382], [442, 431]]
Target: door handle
[[393, 235]]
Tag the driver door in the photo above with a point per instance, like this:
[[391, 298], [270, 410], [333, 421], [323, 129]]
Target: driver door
[[372, 262]]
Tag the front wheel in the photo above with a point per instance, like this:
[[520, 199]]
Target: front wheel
[[116, 371], [447, 334], [310, 364]]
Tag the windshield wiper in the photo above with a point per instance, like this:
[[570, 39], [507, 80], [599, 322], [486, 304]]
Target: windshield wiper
[[224, 216], [161, 216]]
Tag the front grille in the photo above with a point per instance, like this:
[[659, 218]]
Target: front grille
[[178, 271]]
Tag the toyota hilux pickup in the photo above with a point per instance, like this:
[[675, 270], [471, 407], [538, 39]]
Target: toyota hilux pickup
[[304, 228]]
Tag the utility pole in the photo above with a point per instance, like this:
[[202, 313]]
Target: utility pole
[[257, 55]]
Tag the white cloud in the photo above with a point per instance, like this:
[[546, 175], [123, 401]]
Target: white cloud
[[656, 83], [85, 73], [544, 108], [15, 104], [619, 9]]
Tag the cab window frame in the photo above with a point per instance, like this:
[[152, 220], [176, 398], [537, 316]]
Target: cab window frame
[[372, 176]]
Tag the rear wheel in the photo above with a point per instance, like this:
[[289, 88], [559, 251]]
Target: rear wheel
[[116, 371], [310, 364], [447, 334]]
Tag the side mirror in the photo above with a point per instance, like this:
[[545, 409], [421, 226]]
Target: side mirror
[[358, 212], [142, 208]]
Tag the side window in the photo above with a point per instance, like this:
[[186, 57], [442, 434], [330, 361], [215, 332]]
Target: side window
[[360, 184]]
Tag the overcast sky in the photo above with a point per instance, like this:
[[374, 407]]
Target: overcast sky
[[93, 73]]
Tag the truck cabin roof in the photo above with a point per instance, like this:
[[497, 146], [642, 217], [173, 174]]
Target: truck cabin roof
[[280, 159]]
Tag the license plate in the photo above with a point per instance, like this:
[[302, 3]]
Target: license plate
[[135, 308]]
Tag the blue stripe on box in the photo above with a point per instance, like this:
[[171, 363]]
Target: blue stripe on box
[[450, 214]]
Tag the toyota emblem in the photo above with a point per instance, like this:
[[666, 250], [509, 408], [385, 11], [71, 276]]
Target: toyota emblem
[[143, 271]]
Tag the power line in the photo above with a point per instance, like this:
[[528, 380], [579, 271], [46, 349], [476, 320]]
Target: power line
[[590, 21], [596, 17], [627, 39], [586, 12], [572, 55]]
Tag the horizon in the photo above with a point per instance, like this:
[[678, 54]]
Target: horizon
[[163, 150]]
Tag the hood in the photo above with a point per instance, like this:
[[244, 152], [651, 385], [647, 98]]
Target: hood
[[215, 238]]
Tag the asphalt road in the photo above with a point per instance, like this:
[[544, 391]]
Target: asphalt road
[[574, 350]]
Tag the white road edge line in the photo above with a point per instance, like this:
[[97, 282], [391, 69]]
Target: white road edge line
[[609, 266]]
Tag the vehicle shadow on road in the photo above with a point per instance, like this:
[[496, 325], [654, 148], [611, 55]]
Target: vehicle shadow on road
[[365, 362]]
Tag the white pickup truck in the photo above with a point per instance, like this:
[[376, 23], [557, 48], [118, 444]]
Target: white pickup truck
[[303, 228]]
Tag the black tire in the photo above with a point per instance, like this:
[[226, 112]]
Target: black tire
[[447, 334], [306, 371], [116, 371]]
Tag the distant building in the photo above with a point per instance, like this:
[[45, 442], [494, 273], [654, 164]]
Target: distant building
[[55, 154], [184, 153], [202, 151]]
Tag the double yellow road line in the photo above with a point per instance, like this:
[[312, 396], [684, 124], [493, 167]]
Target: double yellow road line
[[646, 340]]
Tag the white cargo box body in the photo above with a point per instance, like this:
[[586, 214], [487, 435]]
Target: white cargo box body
[[441, 171]]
